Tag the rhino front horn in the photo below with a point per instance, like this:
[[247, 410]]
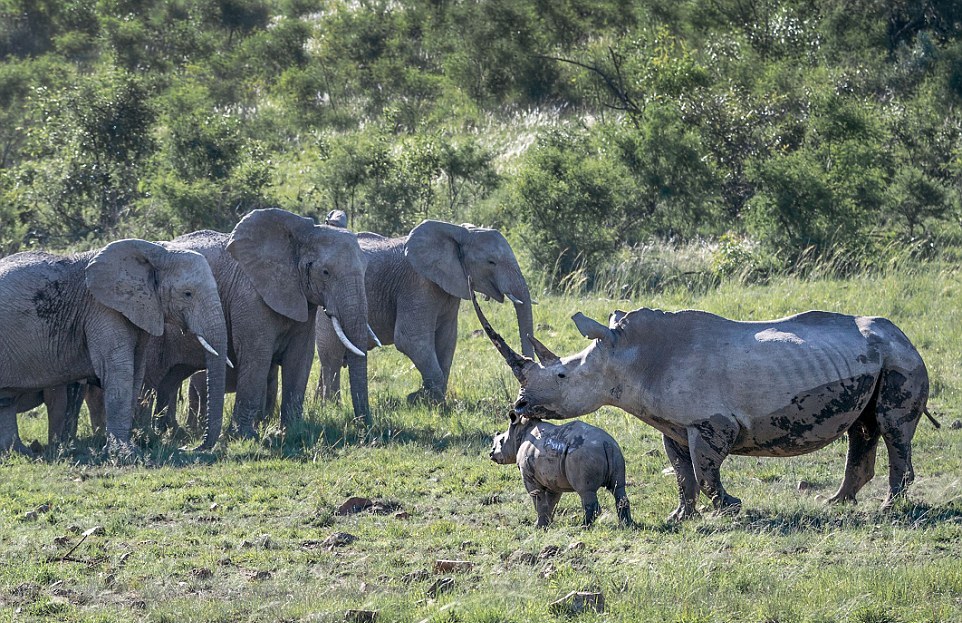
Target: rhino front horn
[[516, 361]]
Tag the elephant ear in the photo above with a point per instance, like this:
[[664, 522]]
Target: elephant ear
[[264, 243], [123, 276], [434, 250]]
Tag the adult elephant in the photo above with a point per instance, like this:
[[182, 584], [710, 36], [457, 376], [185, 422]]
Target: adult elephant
[[415, 285], [90, 316], [273, 272]]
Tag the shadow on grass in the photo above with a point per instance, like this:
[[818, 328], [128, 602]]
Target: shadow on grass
[[905, 514], [324, 429]]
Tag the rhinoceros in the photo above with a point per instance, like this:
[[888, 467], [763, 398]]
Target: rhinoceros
[[715, 387], [557, 459]]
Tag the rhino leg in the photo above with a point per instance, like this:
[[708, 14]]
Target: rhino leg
[[863, 439], [899, 409], [622, 505], [709, 442], [680, 459], [544, 504], [589, 502]]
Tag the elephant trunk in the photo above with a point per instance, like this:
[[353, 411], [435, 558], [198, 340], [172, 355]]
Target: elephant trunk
[[211, 328], [351, 311], [515, 289]]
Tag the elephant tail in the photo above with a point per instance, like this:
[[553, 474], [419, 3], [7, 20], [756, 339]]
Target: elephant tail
[[931, 417]]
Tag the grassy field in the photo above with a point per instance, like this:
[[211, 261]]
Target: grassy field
[[240, 535]]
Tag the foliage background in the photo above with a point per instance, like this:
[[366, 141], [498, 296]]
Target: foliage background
[[775, 131]]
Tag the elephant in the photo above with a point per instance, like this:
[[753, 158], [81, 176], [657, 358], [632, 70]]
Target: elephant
[[415, 284], [90, 316], [273, 272]]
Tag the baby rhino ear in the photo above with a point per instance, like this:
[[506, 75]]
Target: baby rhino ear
[[513, 417]]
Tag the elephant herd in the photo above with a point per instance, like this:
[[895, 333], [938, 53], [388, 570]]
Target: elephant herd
[[135, 319]]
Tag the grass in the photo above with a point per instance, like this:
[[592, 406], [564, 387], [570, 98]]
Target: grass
[[237, 535]]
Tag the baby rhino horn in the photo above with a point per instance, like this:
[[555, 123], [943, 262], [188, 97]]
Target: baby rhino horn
[[544, 353]]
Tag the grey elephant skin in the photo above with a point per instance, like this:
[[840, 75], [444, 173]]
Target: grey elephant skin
[[273, 272], [558, 459], [715, 387], [90, 317], [415, 285]]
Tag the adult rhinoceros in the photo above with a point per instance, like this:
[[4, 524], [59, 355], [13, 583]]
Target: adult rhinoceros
[[715, 387]]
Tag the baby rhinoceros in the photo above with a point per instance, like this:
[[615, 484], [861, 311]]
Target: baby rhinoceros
[[556, 459]]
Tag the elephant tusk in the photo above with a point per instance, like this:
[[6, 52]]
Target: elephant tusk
[[514, 299], [373, 335], [347, 343], [207, 346], [230, 364]]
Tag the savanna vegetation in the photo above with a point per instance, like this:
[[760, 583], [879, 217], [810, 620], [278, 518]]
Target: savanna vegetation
[[753, 158], [585, 129]]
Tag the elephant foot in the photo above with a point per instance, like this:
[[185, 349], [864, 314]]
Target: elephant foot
[[243, 432], [684, 512], [17, 446], [427, 397], [122, 452]]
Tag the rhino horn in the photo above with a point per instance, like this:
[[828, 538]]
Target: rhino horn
[[516, 361], [544, 353]]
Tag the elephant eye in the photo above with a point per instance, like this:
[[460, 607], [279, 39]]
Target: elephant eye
[[326, 273], [188, 294], [562, 375], [492, 262]]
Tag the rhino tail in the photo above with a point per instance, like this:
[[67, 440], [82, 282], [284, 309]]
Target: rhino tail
[[616, 467], [931, 417]]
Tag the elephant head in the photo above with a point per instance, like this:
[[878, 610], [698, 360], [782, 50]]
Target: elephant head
[[447, 254], [294, 264], [150, 285]]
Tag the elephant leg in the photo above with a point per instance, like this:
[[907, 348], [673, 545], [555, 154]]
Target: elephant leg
[[97, 410], [589, 502], [9, 434], [445, 342], [863, 439], [680, 459], [709, 443], [75, 400], [330, 354], [419, 347], [165, 406], [296, 366], [117, 380], [55, 399], [196, 400], [270, 401], [251, 394]]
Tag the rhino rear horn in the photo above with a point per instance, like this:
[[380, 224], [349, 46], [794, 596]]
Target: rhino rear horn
[[543, 352]]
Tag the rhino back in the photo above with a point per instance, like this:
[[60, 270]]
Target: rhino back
[[802, 379]]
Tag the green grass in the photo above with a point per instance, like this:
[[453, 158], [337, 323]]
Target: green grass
[[188, 538]]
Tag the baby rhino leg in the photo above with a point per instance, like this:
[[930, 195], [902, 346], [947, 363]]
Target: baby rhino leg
[[589, 502], [544, 504]]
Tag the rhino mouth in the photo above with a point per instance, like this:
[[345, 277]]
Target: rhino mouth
[[524, 408]]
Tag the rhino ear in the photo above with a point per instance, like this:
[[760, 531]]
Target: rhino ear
[[592, 329], [124, 276], [615, 318]]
